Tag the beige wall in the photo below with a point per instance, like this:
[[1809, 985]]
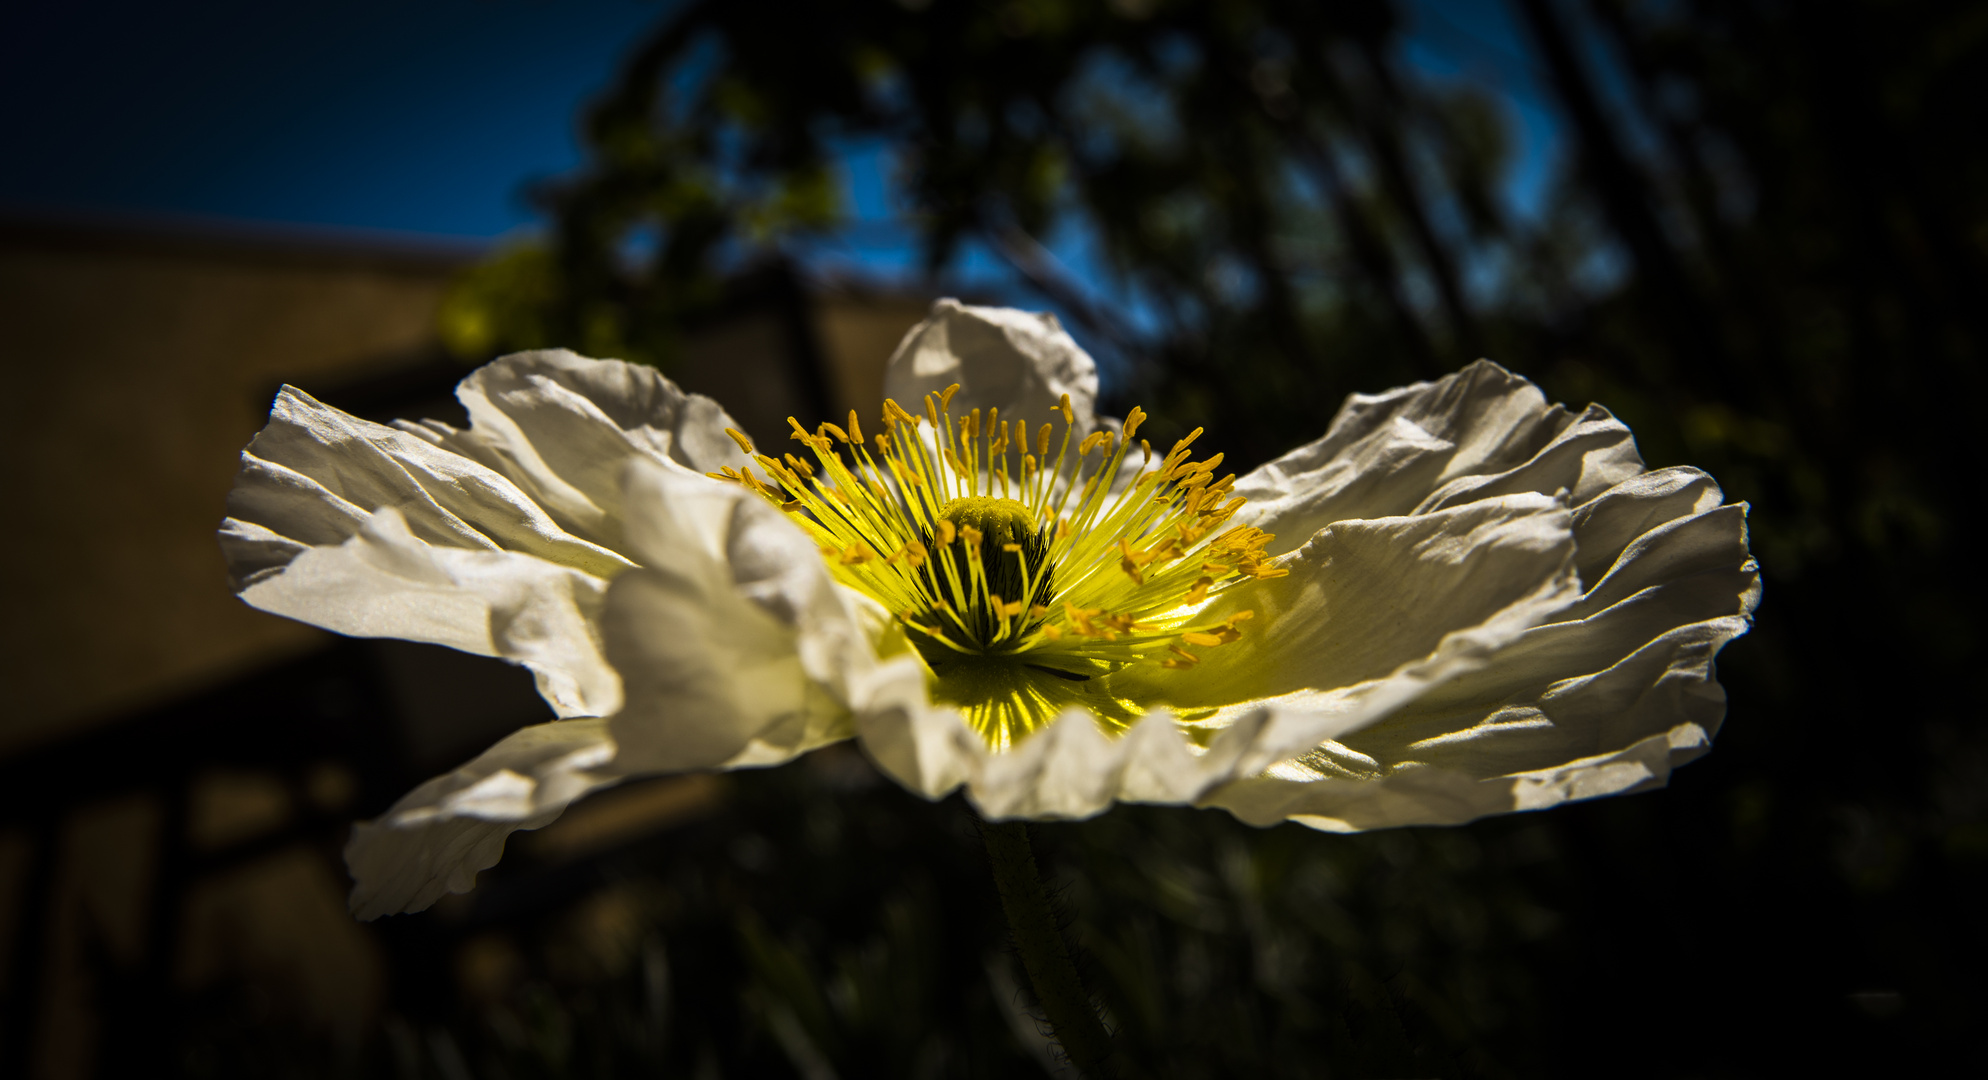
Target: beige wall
[[857, 331], [136, 368]]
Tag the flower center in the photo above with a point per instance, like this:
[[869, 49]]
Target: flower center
[[1024, 582], [975, 616]]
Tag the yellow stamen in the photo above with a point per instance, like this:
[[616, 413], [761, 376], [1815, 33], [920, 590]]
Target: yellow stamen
[[1025, 592]]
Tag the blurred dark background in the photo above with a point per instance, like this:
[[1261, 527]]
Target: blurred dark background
[[1756, 230]]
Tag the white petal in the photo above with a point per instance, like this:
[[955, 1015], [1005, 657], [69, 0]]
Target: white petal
[[564, 429], [1605, 527], [435, 839], [1607, 699], [313, 474], [550, 430], [735, 646], [1480, 432], [1020, 362], [386, 582], [457, 555]]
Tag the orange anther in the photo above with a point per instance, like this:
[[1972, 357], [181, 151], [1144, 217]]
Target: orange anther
[[1199, 591]]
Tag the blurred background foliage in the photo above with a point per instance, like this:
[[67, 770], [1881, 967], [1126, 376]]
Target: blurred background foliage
[[1768, 253]]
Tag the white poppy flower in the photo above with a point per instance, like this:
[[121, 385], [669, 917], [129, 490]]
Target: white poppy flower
[[1459, 601]]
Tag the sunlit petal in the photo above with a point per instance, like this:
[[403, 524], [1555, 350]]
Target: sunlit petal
[[386, 582], [1481, 432], [1364, 598], [1608, 697], [1020, 362]]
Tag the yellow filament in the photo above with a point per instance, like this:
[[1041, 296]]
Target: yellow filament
[[1080, 582]]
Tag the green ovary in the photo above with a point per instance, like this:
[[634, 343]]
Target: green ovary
[[1003, 521]]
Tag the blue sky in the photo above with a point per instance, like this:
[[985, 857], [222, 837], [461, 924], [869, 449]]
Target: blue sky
[[422, 116], [430, 116]]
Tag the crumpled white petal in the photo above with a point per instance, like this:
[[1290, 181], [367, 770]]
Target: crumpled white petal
[[1478, 433], [1607, 697], [314, 474], [386, 582], [1020, 362], [498, 540], [435, 839]]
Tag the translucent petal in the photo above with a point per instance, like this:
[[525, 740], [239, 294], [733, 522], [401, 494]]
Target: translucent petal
[[1608, 697], [1472, 647], [1364, 598], [1020, 362], [1478, 433]]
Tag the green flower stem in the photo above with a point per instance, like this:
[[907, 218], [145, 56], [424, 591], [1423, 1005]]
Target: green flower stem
[[1046, 955]]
